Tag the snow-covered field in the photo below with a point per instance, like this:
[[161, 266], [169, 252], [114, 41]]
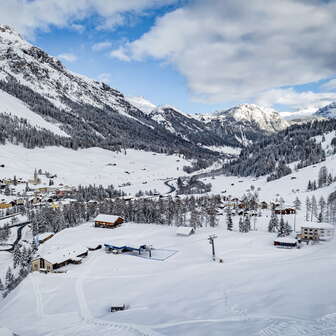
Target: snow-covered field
[[144, 170], [258, 290]]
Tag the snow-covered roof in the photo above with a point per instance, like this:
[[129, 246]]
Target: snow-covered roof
[[106, 218], [184, 230], [311, 225], [60, 255], [290, 240], [45, 235]]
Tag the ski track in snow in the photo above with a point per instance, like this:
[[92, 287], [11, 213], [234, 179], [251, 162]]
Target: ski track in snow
[[38, 296], [89, 319]]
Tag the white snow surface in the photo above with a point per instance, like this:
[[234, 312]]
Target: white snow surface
[[257, 290], [143, 170]]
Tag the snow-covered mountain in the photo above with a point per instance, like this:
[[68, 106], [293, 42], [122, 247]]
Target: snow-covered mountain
[[244, 123], [85, 112], [142, 104], [328, 111], [185, 126], [265, 119]]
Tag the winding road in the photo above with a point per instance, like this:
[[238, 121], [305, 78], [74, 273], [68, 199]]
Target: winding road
[[20, 227], [172, 188]]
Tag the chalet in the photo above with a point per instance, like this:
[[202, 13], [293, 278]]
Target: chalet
[[52, 261], [185, 231], [317, 231], [286, 211], [286, 242], [108, 221]]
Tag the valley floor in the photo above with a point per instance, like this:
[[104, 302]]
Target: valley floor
[[258, 290]]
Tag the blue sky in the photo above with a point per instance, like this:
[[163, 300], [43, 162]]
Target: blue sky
[[198, 55], [157, 81]]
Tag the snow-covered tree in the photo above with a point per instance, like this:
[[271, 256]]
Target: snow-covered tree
[[273, 223], [241, 224], [314, 211], [308, 208], [284, 228], [229, 223], [9, 279]]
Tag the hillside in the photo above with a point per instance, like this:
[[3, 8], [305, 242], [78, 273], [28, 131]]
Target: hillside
[[89, 113], [186, 126]]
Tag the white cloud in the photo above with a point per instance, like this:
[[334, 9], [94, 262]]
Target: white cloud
[[330, 85], [235, 49], [104, 77], [78, 27], [27, 16], [301, 103], [101, 46], [68, 57], [120, 54]]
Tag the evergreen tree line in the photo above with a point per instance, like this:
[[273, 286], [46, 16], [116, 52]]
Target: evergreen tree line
[[324, 179], [192, 211], [91, 126], [317, 211], [272, 154], [22, 257]]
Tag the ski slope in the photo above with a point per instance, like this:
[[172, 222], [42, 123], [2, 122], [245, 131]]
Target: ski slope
[[258, 290]]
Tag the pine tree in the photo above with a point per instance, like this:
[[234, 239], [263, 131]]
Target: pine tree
[[241, 224], [229, 219], [273, 223], [322, 177], [297, 203], [310, 186], [284, 228], [195, 220], [246, 224], [329, 179], [2, 287], [9, 279], [322, 205], [16, 256], [308, 208], [314, 208]]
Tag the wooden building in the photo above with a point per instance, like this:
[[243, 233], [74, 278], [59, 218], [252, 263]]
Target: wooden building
[[59, 258], [185, 231], [108, 221], [5, 205], [286, 211], [286, 242]]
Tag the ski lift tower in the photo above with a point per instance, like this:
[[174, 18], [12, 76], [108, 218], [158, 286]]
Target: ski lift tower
[[212, 243]]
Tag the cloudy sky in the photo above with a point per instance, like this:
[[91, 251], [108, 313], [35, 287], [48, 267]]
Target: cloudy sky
[[199, 55]]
